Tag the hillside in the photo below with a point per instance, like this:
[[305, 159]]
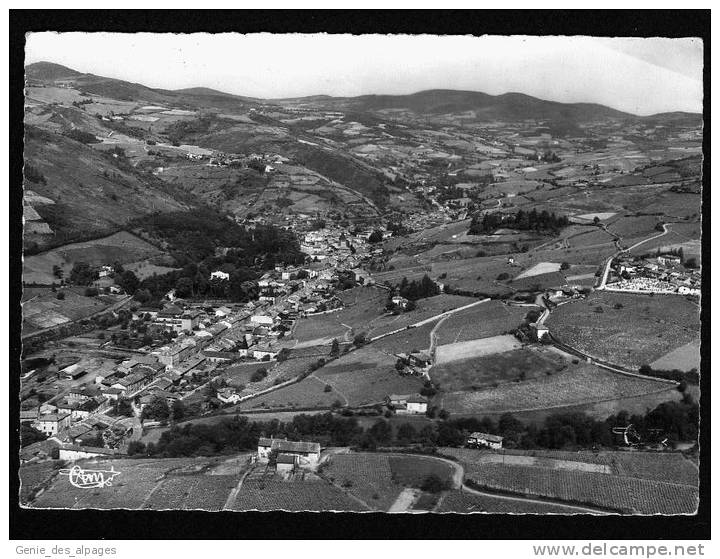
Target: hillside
[[93, 192]]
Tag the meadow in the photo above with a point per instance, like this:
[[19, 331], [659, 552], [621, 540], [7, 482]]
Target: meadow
[[493, 370]]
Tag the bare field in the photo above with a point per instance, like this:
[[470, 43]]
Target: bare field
[[475, 348], [684, 358]]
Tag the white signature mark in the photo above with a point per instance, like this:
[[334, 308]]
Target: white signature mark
[[87, 479]]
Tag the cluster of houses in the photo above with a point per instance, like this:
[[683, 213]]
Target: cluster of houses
[[663, 274]]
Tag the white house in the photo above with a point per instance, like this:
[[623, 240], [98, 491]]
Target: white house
[[261, 320], [219, 275], [417, 404], [51, 424], [485, 439]]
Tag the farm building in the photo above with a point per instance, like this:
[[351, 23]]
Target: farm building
[[305, 452], [79, 452], [285, 462], [407, 403], [485, 439], [52, 423]]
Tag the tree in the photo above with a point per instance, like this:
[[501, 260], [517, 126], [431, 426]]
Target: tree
[[381, 431], [136, 447], [82, 274], [406, 433], [57, 271], [335, 348], [30, 435], [433, 484], [143, 296], [156, 409], [360, 339], [128, 281], [123, 407], [60, 295], [564, 266], [376, 236], [183, 288], [178, 410]]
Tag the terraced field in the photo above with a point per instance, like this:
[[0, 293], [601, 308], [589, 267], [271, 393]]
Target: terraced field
[[630, 330]]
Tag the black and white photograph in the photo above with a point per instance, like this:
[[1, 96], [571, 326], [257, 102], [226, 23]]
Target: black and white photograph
[[362, 273]]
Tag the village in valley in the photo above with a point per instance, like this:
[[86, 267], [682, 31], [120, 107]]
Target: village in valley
[[440, 302]]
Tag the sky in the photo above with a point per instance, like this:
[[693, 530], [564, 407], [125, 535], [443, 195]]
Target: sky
[[636, 75]]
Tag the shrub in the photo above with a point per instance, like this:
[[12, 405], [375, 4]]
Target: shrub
[[327, 388]]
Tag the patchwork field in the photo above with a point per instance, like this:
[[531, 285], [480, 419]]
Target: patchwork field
[[577, 384], [629, 330], [492, 370], [492, 318], [475, 348]]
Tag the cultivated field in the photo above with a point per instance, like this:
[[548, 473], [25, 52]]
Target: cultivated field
[[577, 384], [493, 370], [475, 348], [406, 341], [630, 330], [120, 247], [265, 492], [379, 479], [612, 492], [492, 318], [465, 502], [187, 483], [367, 476], [45, 311]]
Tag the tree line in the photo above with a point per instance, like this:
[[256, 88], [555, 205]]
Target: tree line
[[488, 223], [675, 420]]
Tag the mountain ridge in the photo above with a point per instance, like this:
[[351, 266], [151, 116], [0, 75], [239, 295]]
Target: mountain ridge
[[430, 101]]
